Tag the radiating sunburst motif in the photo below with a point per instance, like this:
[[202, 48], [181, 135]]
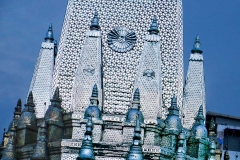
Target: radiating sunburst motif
[[121, 39]]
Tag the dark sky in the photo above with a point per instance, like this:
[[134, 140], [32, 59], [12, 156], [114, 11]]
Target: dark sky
[[23, 25]]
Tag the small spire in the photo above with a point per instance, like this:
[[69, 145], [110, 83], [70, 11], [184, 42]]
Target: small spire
[[136, 96], [56, 96], [94, 92], [200, 117], [154, 26], [18, 108], [173, 109], [86, 151], [95, 22], [29, 107], [94, 96], [30, 99], [196, 46], [49, 35]]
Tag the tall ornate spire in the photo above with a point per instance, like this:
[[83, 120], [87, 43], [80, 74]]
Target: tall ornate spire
[[194, 93], [49, 35], [86, 152], [135, 152], [196, 46], [95, 22], [41, 84], [154, 26]]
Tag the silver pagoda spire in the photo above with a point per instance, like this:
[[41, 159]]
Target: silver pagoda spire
[[149, 77], [41, 84], [194, 89], [89, 70]]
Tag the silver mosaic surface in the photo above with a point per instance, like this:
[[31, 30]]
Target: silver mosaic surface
[[88, 73], [41, 84], [119, 69], [194, 90], [148, 81]]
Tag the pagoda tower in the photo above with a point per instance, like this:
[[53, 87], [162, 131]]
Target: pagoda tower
[[124, 25], [194, 89], [41, 84]]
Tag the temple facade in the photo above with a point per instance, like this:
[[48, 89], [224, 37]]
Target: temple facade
[[113, 89]]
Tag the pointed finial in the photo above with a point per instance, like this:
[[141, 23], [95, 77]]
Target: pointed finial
[[30, 98], [49, 35], [196, 46], [154, 26], [29, 106], [200, 117], [56, 96], [18, 108], [19, 102], [136, 96], [200, 111], [173, 103], [95, 91], [95, 22], [173, 109]]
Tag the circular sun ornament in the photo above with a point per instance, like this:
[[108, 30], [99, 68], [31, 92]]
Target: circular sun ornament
[[121, 39]]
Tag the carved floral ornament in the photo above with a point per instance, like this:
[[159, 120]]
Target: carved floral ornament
[[121, 39]]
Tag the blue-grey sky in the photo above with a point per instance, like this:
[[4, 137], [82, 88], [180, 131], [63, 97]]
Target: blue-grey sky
[[23, 25]]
